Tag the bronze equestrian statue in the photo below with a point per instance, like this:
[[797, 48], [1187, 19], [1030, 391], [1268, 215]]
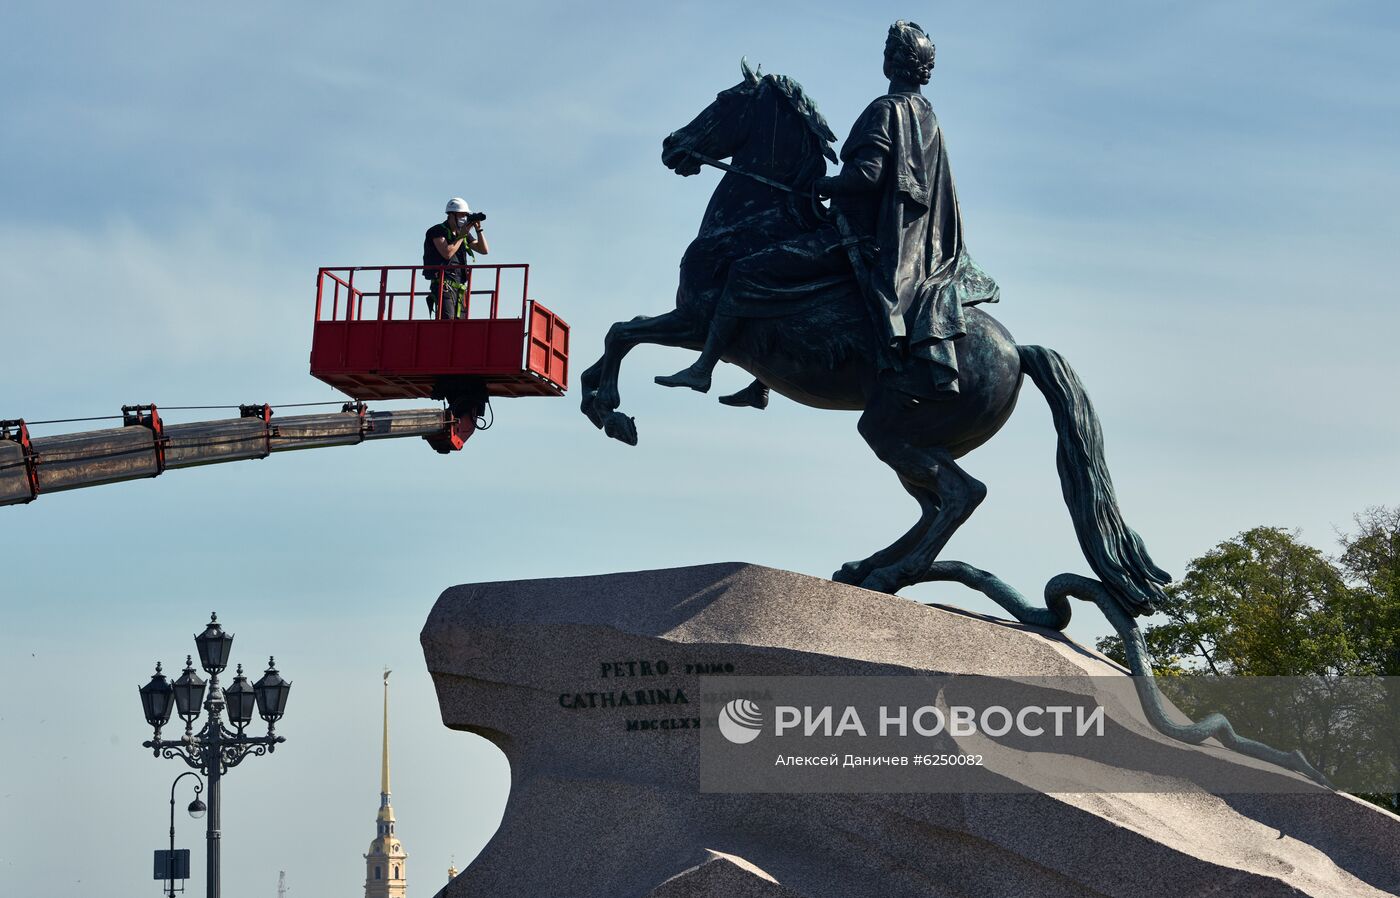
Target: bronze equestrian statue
[[874, 305], [896, 228]]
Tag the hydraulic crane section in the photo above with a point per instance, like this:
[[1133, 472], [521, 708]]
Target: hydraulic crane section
[[449, 332], [146, 447]]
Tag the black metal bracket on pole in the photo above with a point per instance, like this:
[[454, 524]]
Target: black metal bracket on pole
[[178, 863], [199, 750]]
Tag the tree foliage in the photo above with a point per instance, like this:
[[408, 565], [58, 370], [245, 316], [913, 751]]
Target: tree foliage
[[1264, 604], [1370, 562]]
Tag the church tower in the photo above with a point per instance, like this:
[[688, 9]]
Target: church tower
[[386, 865]]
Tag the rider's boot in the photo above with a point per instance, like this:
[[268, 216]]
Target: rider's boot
[[912, 383], [755, 395], [697, 376]]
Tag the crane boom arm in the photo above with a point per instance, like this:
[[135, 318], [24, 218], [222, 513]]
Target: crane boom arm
[[145, 447]]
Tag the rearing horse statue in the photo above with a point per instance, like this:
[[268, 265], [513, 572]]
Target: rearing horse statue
[[824, 356]]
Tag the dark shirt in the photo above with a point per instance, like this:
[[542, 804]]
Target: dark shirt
[[431, 256]]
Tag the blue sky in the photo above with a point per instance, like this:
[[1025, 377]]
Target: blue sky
[[1197, 204]]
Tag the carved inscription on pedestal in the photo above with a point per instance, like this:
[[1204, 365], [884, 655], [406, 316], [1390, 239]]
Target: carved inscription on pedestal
[[639, 684]]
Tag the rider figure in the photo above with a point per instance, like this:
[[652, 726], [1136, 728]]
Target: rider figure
[[451, 243], [897, 224]]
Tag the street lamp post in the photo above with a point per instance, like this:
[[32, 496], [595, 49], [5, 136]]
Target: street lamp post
[[196, 809], [215, 748]]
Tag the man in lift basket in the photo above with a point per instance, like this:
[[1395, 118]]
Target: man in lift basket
[[453, 243]]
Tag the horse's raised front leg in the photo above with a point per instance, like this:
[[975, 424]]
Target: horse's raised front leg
[[598, 384]]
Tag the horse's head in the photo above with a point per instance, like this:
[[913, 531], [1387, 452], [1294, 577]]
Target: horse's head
[[719, 129], [766, 112]]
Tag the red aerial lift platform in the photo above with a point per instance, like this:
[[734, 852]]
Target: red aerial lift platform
[[397, 349]]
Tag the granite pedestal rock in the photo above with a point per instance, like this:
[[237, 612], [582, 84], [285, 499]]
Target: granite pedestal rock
[[598, 811]]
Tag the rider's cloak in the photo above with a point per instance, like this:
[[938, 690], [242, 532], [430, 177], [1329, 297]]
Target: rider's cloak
[[921, 275], [896, 192]]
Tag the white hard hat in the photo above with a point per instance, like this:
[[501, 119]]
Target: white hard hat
[[457, 204]]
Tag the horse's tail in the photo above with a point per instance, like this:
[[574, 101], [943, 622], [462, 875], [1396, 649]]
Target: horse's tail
[[1112, 548]]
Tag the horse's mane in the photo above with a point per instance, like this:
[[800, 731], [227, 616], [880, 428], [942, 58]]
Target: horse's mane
[[807, 109]]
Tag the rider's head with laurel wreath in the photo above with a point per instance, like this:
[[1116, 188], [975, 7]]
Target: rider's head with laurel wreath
[[908, 54]]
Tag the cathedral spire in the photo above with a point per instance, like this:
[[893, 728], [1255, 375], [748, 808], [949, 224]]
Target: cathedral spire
[[386, 867], [384, 773]]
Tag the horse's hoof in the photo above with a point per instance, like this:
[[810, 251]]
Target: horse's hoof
[[851, 572], [621, 427], [883, 579]]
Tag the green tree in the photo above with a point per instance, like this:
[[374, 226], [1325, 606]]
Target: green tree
[[1370, 562], [1264, 604], [1260, 604]]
